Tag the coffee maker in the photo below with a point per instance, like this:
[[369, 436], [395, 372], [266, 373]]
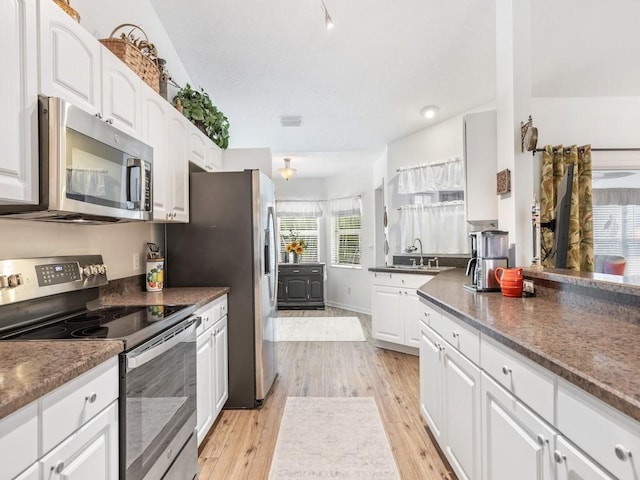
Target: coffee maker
[[489, 250]]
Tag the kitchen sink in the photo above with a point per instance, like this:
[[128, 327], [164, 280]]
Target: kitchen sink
[[419, 268]]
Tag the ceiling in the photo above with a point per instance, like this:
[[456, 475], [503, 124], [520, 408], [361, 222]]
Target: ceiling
[[362, 84], [357, 86]]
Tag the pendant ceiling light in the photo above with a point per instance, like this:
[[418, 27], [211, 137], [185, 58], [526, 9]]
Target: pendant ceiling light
[[287, 172], [328, 21]]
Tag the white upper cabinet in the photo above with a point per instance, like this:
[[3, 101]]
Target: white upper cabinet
[[69, 59], [177, 163], [121, 92], [75, 66], [480, 156], [18, 97], [203, 152]]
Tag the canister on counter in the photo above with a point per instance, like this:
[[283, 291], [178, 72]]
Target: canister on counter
[[155, 274]]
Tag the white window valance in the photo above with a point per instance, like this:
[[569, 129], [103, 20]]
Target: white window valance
[[445, 175], [441, 227], [616, 196], [345, 206], [298, 208]]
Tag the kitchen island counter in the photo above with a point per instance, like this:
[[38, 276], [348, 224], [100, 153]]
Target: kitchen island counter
[[594, 351], [31, 369]]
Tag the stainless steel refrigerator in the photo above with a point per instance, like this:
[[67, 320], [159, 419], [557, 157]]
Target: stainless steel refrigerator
[[231, 240]]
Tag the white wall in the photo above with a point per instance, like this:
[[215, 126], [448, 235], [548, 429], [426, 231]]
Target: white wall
[[238, 159], [116, 243], [101, 18]]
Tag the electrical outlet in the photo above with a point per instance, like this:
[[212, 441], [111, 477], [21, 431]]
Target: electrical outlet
[[528, 287], [136, 261]]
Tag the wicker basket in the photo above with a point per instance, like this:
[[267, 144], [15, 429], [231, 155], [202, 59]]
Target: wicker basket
[[141, 60], [64, 5]]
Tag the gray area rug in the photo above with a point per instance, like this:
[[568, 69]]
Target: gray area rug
[[319, 329], [337, 437]]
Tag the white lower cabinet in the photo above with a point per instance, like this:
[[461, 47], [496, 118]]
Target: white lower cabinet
[[70, 433], [395, 308], [572, 464], [31, 473], [88, 453], [450, 402], [514, 438], [212, 365], [496, 415]]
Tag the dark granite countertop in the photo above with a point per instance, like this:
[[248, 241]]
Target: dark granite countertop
[[596, 352], [31, 369], [629, 284], [199, 296]]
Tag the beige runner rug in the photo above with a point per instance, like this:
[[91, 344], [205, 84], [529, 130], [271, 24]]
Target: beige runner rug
[[332, 438], [319, 329]]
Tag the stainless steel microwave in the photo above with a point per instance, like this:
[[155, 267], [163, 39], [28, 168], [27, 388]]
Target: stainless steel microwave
[[89, 170]]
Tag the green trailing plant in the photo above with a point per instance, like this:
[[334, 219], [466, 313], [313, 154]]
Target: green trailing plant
[[197, 107]]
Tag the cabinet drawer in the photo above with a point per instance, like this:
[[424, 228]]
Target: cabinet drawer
[[317, 270], [529, 382], [70, 406], [430, 315], [610, 437], [406, 280], [211, 313], [19, 440], [219, 308], [462, 336]]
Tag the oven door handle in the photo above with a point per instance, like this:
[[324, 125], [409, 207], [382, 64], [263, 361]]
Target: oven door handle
[[148, 355]]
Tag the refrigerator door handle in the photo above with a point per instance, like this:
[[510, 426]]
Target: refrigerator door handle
[[271, 256]]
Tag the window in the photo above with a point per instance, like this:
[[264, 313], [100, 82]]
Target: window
[[345, 240], [306, 228], [616, 231]]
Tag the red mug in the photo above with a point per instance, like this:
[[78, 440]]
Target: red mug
[[510, 280]]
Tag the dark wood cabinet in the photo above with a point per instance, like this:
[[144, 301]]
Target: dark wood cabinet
[[300, 286]]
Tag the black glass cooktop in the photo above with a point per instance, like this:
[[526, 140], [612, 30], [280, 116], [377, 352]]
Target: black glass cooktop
[[103, 323]]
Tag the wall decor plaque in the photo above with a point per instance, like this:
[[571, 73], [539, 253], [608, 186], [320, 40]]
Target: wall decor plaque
[[503, 181]]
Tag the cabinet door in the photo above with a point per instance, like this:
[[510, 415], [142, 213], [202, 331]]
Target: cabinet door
[[461, 413], [296, 289], [431, 380], [221, 365], [91, 452], [178, 135], [316, 288], [31, 473], [410, 313], [121, 91], [214, 157], [204, 383], [154, 132], [69, 59], [198, 148], [514, 438], [572, 464], [281, 289], [386, 322], [19, 100]]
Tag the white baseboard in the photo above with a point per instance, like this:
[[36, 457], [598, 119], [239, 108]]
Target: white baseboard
[[353, 308], [396, 347]]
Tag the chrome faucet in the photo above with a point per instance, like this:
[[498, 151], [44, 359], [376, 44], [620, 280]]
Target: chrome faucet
[[434, 259], [412, 248]]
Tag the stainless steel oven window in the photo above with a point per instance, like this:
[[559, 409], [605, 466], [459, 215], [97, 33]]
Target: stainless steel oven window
[[158, 401]]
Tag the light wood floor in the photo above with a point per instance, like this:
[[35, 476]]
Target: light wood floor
[[242, 442]]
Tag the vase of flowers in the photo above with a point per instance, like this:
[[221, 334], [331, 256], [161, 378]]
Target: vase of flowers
[[294, 246]]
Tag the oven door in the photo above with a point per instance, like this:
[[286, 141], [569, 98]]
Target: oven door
[[158, 404]]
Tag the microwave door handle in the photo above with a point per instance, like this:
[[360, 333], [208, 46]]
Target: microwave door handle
[[134, 183], [148, 355]]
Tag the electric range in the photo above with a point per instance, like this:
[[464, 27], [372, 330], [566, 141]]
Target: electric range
[[57, 298]]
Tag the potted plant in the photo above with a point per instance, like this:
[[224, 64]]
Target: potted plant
[[197, 107]]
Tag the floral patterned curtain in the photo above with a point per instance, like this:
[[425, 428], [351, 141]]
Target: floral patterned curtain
[[554, 163]]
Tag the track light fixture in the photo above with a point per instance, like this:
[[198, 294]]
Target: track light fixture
[[328, 21]]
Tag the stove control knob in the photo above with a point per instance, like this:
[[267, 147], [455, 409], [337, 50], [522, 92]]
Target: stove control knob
[[15, 280], [4, 281], [86, 271]]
